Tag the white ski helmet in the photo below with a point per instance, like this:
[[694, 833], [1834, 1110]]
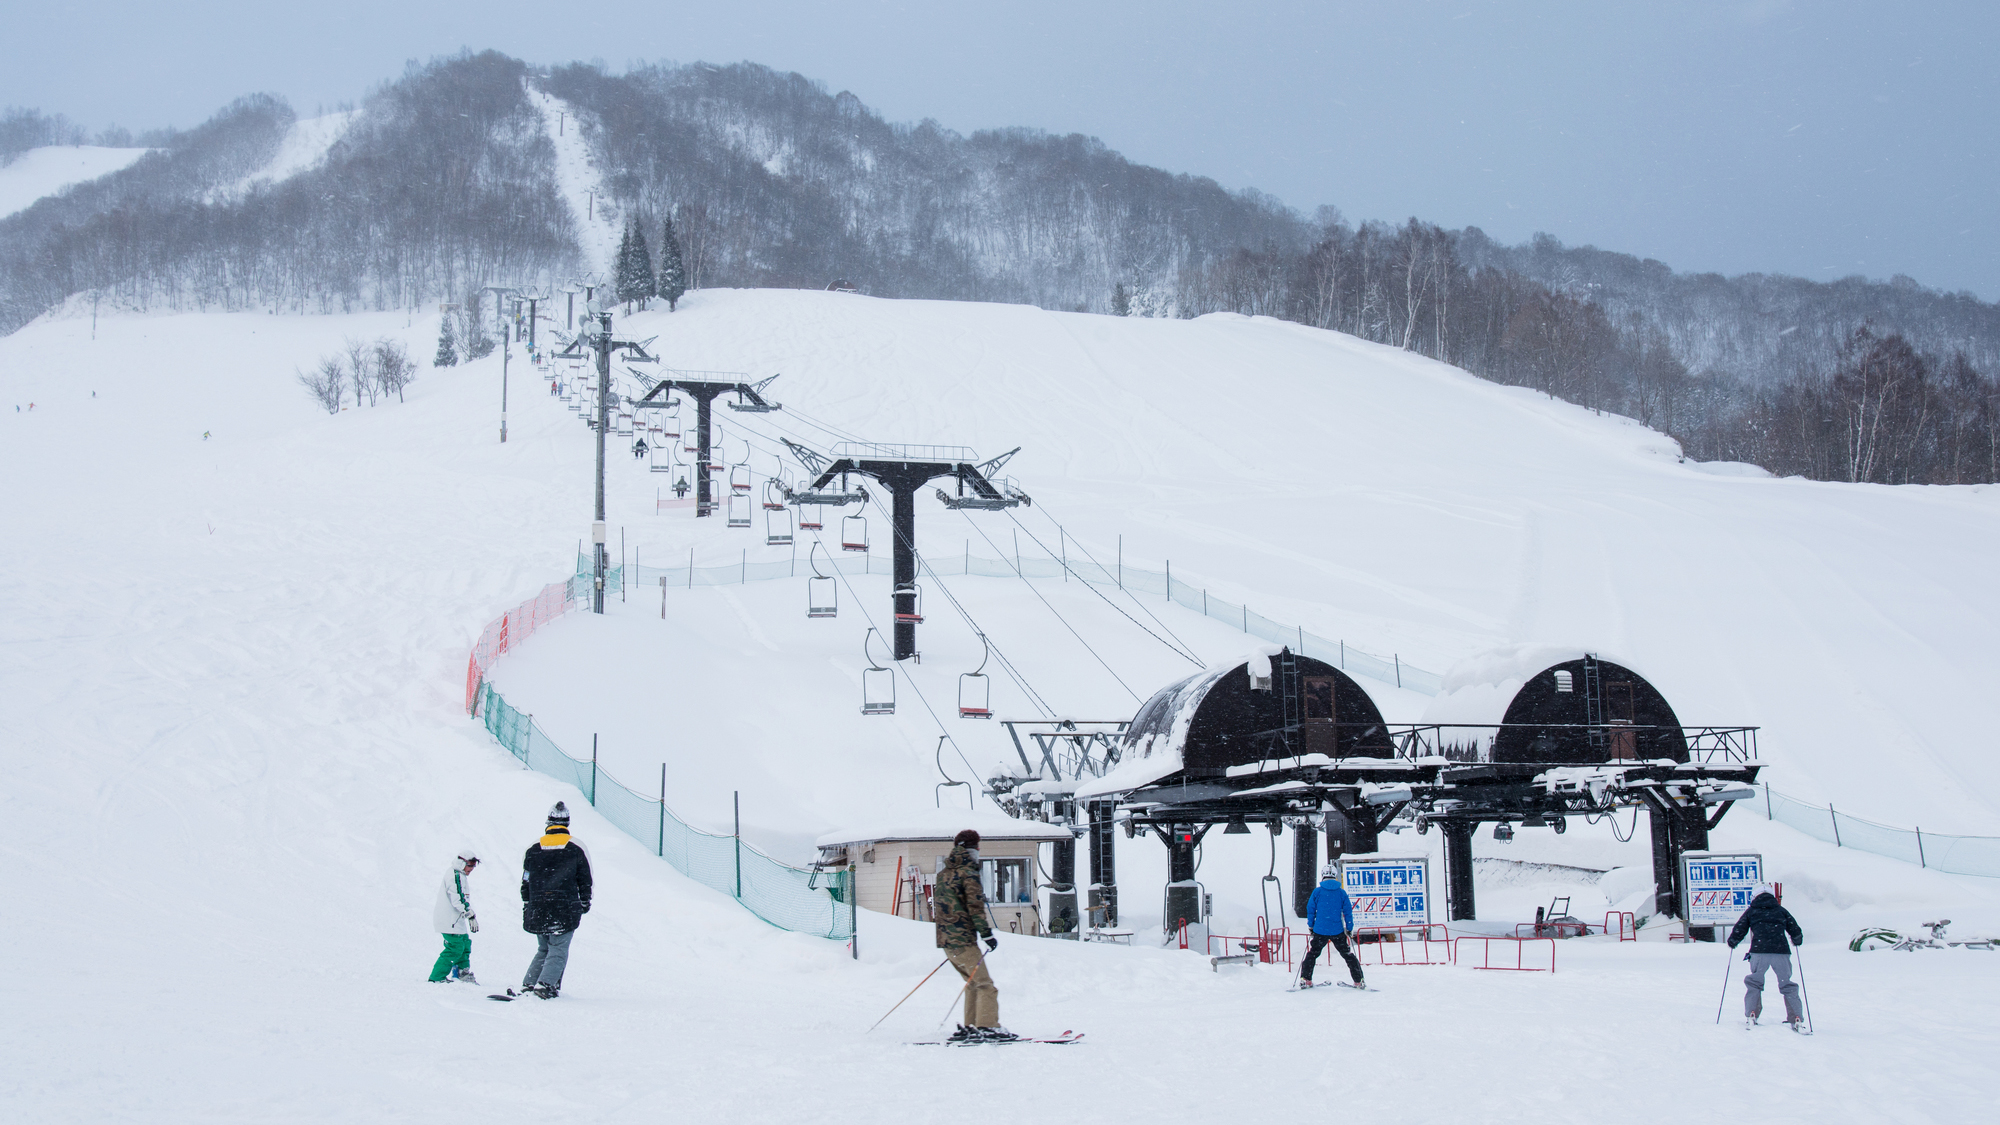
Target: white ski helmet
[[1330, 871], [468, 854]]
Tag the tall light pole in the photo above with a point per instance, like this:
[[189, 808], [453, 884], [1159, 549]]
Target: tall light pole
[[500, 292]]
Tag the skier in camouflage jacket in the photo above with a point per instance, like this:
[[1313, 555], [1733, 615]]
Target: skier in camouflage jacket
[[958, 906]]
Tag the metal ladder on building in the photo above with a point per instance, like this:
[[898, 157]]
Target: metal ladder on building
[[1593, 703], [1288, 690]]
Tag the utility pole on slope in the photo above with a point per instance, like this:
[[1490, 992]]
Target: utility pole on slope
[[600, 342]]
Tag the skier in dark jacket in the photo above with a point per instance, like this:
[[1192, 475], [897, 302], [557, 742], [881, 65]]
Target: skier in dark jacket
[[1768, 925], [1330, 913], [555, 895]]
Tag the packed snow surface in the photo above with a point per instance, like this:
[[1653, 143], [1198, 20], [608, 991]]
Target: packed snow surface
[[45, 171], [232, 676], [305, 144]]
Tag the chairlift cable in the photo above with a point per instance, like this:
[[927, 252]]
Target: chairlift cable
[[1178, 651], [1013, 673], [1042, 507], [1020, 680], [1058, 615], [907, 678]]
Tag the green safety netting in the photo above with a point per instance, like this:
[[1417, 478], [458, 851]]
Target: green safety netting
[[1959, 855], [791, 898]]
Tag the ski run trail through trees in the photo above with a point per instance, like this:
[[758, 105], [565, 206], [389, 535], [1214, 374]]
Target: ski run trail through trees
[[238, 763]]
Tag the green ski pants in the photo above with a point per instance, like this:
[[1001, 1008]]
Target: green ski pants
[[457, 955]]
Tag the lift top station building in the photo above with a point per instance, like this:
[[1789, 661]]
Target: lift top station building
[[1526, 736]]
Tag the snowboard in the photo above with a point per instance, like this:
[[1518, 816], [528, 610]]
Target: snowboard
[[1053, 1041], [509, 995]]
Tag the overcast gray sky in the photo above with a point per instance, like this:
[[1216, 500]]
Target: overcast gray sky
[[1816, 137]]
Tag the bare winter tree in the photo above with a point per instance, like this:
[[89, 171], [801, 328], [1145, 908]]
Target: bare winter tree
[[394, 369], [326, 382], [360, 367]]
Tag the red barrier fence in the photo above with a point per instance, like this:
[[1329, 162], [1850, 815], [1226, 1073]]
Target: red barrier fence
[[1520, 945], [510, 629], [1406, 945], [1621, 923]]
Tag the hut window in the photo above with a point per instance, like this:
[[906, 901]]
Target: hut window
[[1005, 880], [1563, 682]]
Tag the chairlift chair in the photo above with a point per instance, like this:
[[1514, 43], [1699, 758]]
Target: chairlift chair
[[878, 684], [774, 501], [778, 528], [660, 457], [811, 517], [625, 423], [854, 533], [739, 480], [739, 511], [916, 614], [822, 592], [975, 691]]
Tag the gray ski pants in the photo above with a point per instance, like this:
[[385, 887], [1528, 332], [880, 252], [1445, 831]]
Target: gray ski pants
[[551, 958], [1753, 992]]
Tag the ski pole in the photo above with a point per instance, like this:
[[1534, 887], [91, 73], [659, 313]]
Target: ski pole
[[910, 993], [1727, 962], [1804, 996]]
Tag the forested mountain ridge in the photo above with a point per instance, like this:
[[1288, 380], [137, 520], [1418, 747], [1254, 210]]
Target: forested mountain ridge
[[445, 183]]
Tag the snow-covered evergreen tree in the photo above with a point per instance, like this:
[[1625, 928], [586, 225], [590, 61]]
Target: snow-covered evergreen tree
[[1121, 301], [447, 353], [673, 271], [635, 268]]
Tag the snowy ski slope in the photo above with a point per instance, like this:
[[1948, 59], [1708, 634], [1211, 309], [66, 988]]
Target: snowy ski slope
[[48, 170], [232, 672]]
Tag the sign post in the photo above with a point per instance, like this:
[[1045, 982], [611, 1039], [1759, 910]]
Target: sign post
[[1719, 887], [1388, 891]]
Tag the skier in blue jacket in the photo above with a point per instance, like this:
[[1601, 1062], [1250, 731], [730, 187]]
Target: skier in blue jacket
[[1330, 913]]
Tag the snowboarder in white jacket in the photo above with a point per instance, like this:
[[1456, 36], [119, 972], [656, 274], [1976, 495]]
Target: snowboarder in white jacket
[[454, 918]]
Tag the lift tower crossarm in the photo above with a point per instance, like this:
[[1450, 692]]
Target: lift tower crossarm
[[903, 476], [704, 392]]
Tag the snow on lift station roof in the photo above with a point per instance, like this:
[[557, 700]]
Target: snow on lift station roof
[[943, 824]]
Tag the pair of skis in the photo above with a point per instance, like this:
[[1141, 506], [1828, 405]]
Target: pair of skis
[[1306, 984], [1799, 1026], [1066, 1037]]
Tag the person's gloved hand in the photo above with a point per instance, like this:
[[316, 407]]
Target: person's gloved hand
[[992, 943], [586, 906], [472, 921]]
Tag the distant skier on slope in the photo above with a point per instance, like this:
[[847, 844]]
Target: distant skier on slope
[[1330, 913], [555, 895], [958, 905], [1768, 924], [455, 919]]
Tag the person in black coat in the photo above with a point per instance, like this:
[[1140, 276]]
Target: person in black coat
[[1768, 925], [555, 895]]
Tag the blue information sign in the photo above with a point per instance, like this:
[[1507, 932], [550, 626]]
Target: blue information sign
[[1388, 892], [1719, 887]]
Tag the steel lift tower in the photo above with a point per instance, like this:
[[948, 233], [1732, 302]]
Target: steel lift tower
[[903, 470], [704, 392]]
